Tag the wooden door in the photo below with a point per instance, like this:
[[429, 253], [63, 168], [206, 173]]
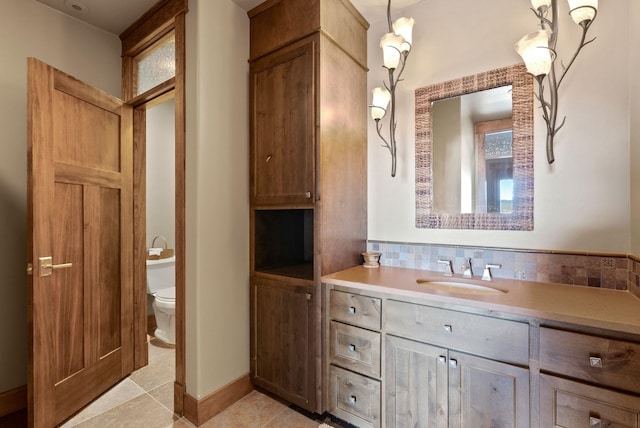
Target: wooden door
[[415, 384], [487, 394], [80, 211], [282, 344], [283, 127]]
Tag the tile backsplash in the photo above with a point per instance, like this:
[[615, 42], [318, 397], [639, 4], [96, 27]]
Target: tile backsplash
[[614, 271]]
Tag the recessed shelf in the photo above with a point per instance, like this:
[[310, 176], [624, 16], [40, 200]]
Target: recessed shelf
[[283, 242]]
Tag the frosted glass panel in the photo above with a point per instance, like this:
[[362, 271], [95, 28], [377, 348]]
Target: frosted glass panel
[[156, 65]]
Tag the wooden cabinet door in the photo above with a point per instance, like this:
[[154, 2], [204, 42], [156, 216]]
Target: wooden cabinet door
[[283, 337], [283, 125], [487, 394], [565, 403], [415, 384]]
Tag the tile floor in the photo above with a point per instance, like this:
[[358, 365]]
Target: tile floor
[[145, 400]]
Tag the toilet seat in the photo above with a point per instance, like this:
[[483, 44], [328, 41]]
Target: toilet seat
[[166, 295]]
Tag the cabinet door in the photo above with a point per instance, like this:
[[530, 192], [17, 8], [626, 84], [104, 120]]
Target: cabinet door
[[282, 340], [487, 394], [283, 125], [564, 403], [415, 384]]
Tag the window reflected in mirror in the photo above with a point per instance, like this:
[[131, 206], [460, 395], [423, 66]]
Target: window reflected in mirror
[[474, 152]]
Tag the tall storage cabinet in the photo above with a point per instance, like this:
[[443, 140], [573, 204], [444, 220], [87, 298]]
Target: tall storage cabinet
[[308, 160]]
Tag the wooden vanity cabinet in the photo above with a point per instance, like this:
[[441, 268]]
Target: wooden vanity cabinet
[[603, 389], [355, 363], [308, 175], [431, 386], [441, 383], [395, 363]]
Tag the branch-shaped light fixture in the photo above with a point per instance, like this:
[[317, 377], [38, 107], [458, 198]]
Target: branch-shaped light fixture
[[395, 45], [538, 50]]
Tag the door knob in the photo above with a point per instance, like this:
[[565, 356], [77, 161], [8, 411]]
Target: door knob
[[46, 266]]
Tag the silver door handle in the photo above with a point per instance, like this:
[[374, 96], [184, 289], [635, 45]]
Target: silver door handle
[[46, 266]]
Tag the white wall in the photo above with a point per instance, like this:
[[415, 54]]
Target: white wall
[[217, 256], [582, 201], [634, 91], [28, 28], [161, 161]]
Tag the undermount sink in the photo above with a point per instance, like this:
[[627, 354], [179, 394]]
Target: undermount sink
[[459, 287]]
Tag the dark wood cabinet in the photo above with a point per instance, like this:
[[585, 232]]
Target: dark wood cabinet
[[308, 175], [283, 352], [283, 130]]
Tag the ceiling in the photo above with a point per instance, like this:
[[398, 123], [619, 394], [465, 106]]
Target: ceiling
[[372, 10], [114, 16]]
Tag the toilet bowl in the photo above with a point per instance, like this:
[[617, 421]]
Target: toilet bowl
[[161, 281]]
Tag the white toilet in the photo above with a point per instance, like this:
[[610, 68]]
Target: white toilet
[[161, 286]]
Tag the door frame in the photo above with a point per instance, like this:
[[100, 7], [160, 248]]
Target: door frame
[[161, 19]]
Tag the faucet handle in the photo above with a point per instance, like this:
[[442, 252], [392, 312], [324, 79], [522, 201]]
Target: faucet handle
[[448, 270], [486, 275]]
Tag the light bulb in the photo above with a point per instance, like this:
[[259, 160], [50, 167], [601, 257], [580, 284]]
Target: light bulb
[[381, 98], [391, 45], [534, 50], [583, 10], [404, 27]]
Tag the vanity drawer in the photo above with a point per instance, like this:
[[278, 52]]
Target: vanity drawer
[[610, 362], [498, 339], [354, 398], [565, 403], [355, 348], [355, 309]]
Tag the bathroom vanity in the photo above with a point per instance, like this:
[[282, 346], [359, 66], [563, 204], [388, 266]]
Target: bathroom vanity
[[406, 347]]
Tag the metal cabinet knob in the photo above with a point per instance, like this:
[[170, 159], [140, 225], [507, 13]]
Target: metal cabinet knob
[[453, 363], [268, 159], [352, 348], [595, 362], [595, 422], [352, 400], [352, 310], [307, 195], [442, 359], [447, 328]]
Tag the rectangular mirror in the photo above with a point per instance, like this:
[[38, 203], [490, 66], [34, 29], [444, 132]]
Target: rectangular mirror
[[474, 152]]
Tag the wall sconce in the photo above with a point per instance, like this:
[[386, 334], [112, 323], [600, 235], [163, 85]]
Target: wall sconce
[[538, 50], [395, 45]]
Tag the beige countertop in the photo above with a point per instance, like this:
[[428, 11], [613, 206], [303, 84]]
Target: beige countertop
[[593, 307]]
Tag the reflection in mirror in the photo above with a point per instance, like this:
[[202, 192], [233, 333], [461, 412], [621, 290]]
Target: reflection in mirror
[[474, 152]]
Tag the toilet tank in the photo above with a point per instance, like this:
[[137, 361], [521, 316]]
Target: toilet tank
[[161, 274]]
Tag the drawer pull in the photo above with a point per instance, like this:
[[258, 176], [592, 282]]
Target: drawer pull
[[352, 348], [595, 422], [448, 328], [453, 363], [442, 360], [352, 310], [352, 400], [595, 362]]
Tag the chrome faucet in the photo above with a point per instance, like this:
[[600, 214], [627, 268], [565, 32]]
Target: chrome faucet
[[486, 275], [467, 269], [448, 269]]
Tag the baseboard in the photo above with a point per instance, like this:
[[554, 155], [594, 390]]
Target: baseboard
[[13, 400], [200, 411]]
